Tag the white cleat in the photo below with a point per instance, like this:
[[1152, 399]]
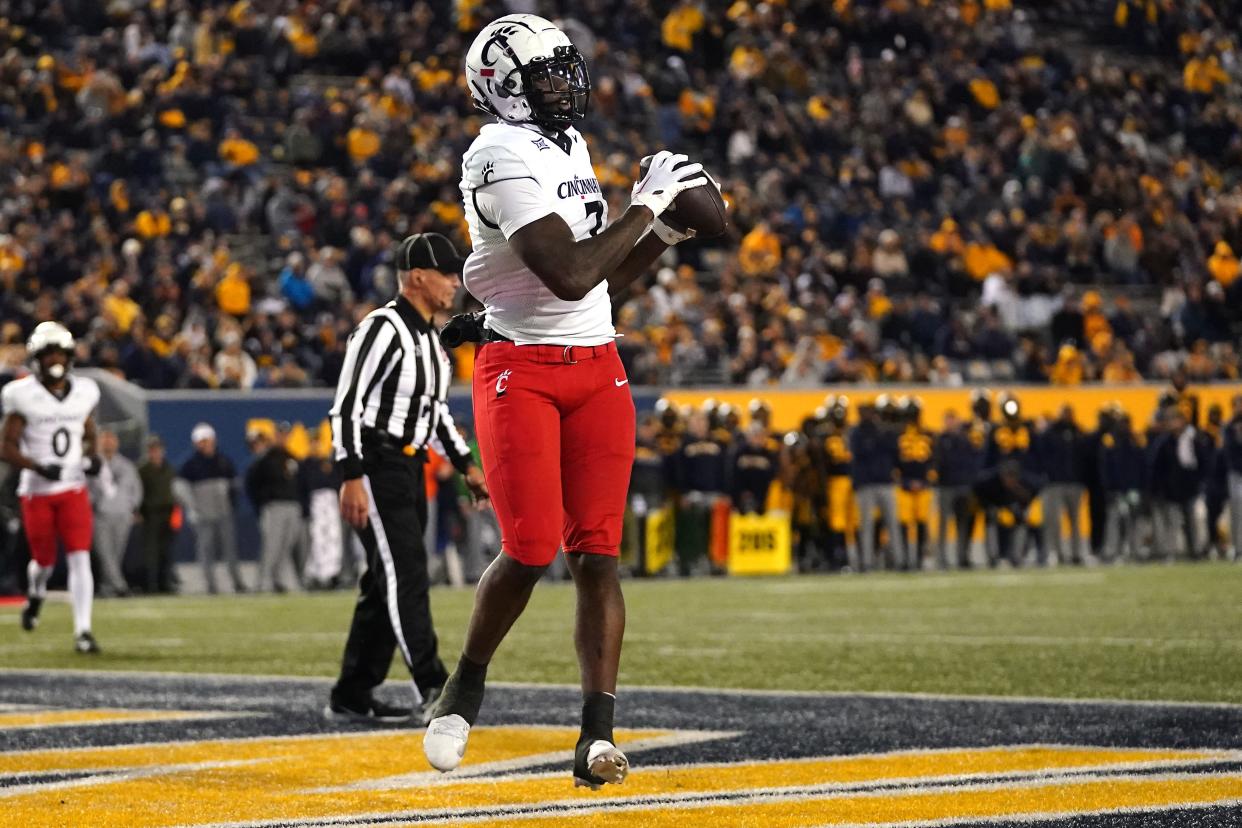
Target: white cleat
[[444, 743], [604, 761]]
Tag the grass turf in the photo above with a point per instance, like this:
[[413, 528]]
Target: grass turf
[[1152, 632]]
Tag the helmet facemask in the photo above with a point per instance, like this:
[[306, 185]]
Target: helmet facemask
[[48, 370], [558, 89]]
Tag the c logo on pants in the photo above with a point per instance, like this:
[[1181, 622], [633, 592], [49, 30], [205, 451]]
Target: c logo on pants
[[502, 382]]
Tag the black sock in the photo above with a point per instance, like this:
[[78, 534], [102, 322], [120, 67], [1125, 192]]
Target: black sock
[[463, 692], [597, 713], [472, 672]]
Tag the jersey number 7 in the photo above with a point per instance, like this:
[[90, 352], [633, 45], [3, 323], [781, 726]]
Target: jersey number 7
[[595, 208]]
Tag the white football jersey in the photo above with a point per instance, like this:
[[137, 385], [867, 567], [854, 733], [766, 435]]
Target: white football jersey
[[54, 429], [512, 175]]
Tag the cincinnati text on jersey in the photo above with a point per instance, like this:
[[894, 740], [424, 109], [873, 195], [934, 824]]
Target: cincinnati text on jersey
[[577, 186]]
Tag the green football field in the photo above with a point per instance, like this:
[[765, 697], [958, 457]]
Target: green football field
[[1149, 632]]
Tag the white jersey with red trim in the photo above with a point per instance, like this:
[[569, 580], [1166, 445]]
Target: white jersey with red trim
[[54, 430], [512, 175]]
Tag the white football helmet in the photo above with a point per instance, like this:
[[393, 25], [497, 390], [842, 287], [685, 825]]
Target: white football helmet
[[521, 69], [45, 337]]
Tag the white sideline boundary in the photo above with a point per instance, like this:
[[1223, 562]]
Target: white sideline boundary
[[660, 688]]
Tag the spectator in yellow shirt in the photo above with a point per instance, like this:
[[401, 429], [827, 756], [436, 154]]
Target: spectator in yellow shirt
[[746, 62], [983, 259], [238, 151], [164, 339], [1094, 321], [1202, 75], [947, 241], [233, 291], [1223, 264], [985, 93], [120, 307], [760, 251], [153, 224], [362, 142], [12, 257], [1069, 369], [432, 76], [1120, 368], [681, 25]]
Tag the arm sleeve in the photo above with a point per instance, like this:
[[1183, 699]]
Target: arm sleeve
[[449, 442], [369, 348], [512, 204], [8, 400]]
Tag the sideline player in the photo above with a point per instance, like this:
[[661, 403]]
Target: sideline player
[[554, 415], [49, 433]]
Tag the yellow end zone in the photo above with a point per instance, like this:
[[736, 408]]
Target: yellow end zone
[[383, 776]]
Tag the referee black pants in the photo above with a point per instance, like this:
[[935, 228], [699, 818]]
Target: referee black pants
[[393, 610]]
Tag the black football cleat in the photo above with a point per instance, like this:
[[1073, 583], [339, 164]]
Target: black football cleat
[[374, 712], [85, 643], [30, 613]]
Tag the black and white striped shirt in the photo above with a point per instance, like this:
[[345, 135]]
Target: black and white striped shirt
[[395, 380]]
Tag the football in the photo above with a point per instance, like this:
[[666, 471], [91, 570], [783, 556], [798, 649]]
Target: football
[[700, 208]]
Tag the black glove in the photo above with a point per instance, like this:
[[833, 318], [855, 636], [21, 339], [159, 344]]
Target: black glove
[[51, 471], [464, 327], [93, 465]]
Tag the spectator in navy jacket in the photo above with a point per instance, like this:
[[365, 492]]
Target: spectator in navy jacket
[[212, 480]]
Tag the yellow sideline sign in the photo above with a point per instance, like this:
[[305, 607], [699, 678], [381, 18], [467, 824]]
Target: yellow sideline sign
[[760, 544], [660, 540]]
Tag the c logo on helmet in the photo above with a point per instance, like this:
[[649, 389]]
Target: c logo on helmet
[[500, 39]]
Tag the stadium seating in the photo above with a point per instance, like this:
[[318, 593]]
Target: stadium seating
[[922, 192]]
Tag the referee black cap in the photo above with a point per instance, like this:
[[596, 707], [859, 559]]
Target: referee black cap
[[430, 251]]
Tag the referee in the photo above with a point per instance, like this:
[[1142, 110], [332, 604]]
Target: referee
[[390, 407]]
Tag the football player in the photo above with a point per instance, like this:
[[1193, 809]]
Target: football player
[[49, 433], [840, 506], [551, 398], [917, 473]]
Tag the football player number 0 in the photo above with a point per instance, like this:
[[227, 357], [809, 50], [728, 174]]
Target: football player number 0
[[60, 442], [595, 208]]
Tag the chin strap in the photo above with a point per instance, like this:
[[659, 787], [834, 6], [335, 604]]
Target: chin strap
[[669, 235]]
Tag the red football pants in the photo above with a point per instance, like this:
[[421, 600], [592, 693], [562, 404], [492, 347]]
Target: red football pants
[[556, 432], [65, 516]]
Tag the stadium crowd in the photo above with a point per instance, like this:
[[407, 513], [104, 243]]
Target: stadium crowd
[[207, 192]]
